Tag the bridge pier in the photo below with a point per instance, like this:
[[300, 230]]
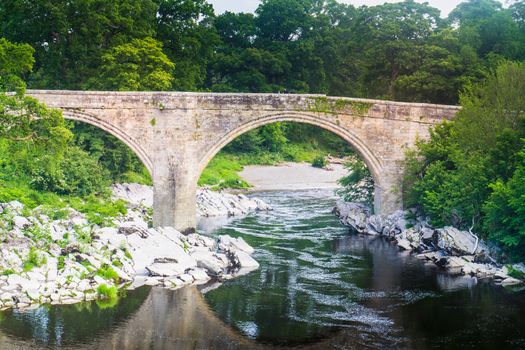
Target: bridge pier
[[174, 202], [388, 196]]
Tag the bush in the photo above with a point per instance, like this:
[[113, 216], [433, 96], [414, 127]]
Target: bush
[[471, 172], [319, 162], [358, 185]]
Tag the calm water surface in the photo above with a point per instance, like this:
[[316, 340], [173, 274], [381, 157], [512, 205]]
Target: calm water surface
[[319, 287]]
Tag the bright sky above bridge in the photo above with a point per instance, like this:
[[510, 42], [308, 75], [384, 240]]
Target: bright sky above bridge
[[250, 5]]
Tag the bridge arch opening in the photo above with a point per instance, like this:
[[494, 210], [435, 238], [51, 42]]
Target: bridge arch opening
[[347, 147], [134, 146], [360, 147]]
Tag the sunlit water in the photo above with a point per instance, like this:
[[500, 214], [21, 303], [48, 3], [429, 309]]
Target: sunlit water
[[318, 287]]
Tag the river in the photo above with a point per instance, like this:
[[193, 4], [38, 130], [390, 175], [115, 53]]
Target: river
[[318, 287]]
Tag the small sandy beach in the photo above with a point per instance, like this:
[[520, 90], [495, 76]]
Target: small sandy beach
[[291, 176]]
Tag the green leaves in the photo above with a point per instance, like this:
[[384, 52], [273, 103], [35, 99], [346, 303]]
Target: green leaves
[[472, 170], [137, 66], [16, 61]]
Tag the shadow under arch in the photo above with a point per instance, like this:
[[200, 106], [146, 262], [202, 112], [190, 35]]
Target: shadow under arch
[[357, 144], [113, 130]]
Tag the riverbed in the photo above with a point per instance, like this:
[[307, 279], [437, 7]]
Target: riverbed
[[318, 287]]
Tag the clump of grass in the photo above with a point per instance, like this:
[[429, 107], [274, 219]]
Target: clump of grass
[[515, 273], [61, 262], [108, 273], [117, 263], [8, 272], [107, 292], [34, 259]]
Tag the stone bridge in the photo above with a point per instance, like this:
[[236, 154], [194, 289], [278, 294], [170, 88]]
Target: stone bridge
[[176, 134]]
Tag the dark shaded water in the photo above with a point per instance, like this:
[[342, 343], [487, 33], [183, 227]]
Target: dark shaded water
[[318, 287]]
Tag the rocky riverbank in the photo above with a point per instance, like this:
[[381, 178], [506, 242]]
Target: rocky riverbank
[[209, 203], [459, 252], [70, 259]]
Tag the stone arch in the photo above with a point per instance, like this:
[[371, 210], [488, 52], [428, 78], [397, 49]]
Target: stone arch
[[113, 130], [371, 161]]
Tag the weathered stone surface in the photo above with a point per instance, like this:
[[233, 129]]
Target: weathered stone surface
[[227, 242], [458, 242], [165, 269], [354, 215], [176, 134]]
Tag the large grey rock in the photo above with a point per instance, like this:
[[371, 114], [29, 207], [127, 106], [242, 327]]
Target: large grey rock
[[394, 224], [457, 242], [375, 225], [354, 215], [21, 222], [210, 263]]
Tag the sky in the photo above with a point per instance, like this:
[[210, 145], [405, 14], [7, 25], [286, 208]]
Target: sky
[[250, 5]]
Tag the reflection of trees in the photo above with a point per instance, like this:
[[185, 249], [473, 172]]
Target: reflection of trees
[[67, 324]]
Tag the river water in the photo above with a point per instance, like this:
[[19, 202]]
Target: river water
[[318, 287]]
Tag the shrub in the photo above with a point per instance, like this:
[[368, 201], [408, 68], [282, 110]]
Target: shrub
[[319, 162], [358, 185]]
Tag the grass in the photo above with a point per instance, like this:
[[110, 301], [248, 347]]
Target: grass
[[108, 273], [98, 208], [107, 292], [515, 273], [34, 259]]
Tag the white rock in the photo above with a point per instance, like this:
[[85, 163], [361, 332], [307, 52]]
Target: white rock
[[199, 275], [354, 215], [227, 242], [458, 242], [511, 282], [210, 263], [165, 269], [245, 260], [21, 222]]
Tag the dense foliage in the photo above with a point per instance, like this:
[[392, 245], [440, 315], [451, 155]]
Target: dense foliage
[[472, 170]]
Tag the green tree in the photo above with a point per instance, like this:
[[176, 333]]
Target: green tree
[[16, 61], [136, 66], [70, 36], [505, 211], [470, 171]]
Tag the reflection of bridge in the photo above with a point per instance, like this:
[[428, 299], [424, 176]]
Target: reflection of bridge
[[176, 134]]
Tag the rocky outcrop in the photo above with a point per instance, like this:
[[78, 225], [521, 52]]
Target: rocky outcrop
[[69, 260], [460, 252], [209, 203]]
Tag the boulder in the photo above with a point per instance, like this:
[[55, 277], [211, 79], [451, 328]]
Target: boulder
[[168, 269], [210, 263], [354, 215], [245, 260], [375, 225], [21, 222], [227, 243], [510, 282], [394, 224], [456, 242], [199, 275]]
